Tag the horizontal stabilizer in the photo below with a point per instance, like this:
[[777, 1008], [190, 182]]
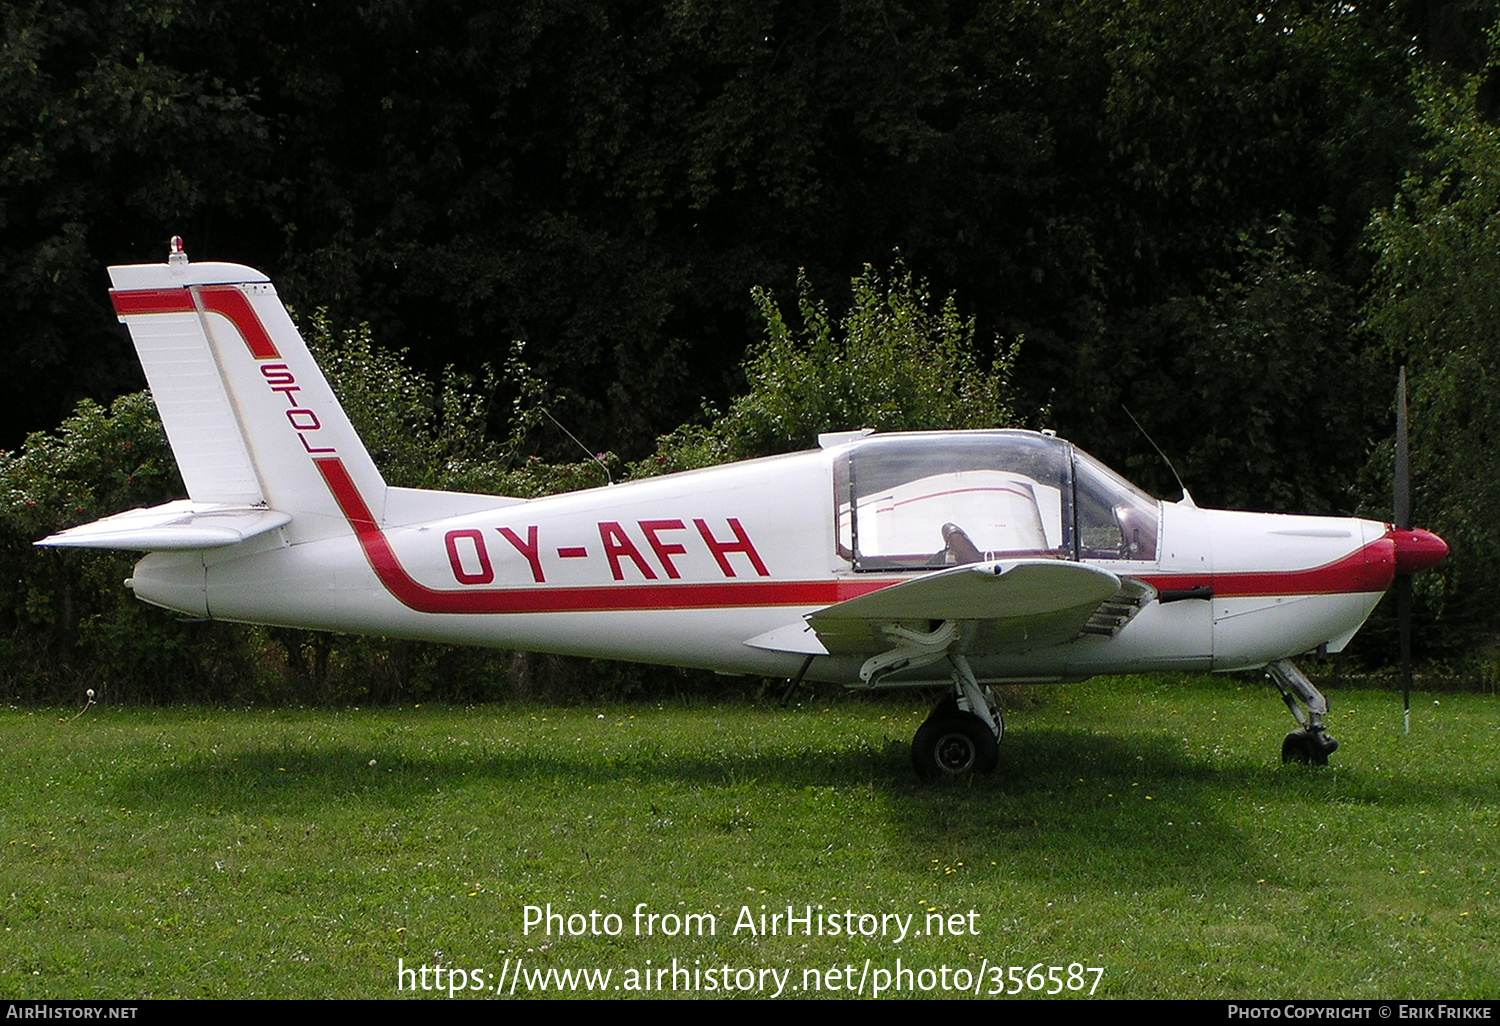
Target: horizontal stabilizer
[[176, 526]]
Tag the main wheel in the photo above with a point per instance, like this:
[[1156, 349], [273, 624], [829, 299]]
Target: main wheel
[[953, 745], [1304, 747], [947, 706]]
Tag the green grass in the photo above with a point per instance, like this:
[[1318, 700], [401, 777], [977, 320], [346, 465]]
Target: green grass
[[1144, 826]]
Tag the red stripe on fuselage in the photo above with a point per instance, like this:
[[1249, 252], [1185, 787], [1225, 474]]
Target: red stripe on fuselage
[[1369, 569], [226, 300], [152, 301], [232, 303], [607, 598], [1345, 575]]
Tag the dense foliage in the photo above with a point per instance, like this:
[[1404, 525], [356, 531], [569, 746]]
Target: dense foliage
[[892, 363], [1435, 307], [1170, 202], [608, 179], [69, 624]]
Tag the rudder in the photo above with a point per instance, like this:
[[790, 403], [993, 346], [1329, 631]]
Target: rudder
[[250, 417]]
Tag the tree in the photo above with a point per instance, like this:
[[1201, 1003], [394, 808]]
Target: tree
[[119, 123], [1435, 306], [608, 178], [66, 621], [1263, 396], [894, 362]]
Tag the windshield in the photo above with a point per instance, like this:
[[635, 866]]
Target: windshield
[[1116, 520], [907, 502]]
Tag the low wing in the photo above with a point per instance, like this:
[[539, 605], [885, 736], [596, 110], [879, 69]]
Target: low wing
[[176, 526], [1015, 605]]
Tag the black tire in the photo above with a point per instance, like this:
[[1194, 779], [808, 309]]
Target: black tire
[[948, 706], [953, 745], [1303, 747]]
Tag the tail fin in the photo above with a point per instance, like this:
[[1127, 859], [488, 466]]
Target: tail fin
[[250, 417]]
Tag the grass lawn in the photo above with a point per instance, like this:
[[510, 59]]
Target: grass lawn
[[1143, 826]]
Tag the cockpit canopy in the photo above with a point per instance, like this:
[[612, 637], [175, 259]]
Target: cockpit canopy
[[919, 501]]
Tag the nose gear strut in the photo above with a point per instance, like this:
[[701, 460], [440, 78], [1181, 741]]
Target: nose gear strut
[[1310, 743]]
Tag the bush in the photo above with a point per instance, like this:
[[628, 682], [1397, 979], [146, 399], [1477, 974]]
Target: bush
[[69, 623], [892, 363]]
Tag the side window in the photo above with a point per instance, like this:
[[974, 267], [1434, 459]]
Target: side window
[[919, 502], [1115, 519]]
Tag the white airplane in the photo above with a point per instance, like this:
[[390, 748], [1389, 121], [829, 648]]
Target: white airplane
[[943, 559]]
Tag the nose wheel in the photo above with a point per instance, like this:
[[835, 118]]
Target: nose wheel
[[1308, 748], [1310, 744]]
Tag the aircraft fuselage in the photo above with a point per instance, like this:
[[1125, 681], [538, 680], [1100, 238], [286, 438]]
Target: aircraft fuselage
[[685, 569]]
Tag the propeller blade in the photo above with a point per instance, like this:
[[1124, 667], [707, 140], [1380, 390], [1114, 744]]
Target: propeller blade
[[1403, 618], [1402, 518], [1403, 522]]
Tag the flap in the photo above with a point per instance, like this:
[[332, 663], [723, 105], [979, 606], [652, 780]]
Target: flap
[[983, 591], [1019, 605]]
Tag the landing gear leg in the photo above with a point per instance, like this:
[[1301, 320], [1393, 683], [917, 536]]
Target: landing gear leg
[[1310, 743], [962, 733]]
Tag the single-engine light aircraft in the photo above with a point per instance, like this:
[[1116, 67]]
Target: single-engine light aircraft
[[951, 559]]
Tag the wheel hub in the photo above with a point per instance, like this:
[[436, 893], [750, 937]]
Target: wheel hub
[[956, 753]]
